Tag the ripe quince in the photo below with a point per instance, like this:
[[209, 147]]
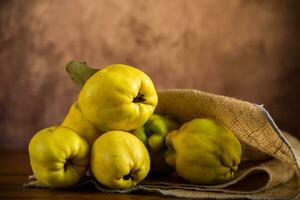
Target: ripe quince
[[119, 160], [153, 134], [77, 122], [203, 152], [58, 156], [118, 97]]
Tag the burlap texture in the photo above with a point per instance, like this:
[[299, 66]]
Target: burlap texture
[[270, 167], [250, 123]]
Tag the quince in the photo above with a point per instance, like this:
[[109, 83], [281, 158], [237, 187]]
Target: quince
[[119, 160], [118, 97], [203, 152], [77, 122], [153, 134], [58, 156]]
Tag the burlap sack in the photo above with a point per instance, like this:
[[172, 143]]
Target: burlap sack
[[270, 167]]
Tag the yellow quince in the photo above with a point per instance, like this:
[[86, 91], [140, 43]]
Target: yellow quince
[[203, 152], [58, 156], [119, 160], [118, 97], [77, 122]]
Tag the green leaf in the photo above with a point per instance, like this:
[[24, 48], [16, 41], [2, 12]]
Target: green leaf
[[80, 72]]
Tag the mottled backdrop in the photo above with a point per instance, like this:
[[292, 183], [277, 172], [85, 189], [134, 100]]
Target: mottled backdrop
[[240, 48]]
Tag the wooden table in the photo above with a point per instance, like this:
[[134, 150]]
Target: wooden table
[[15, 168]]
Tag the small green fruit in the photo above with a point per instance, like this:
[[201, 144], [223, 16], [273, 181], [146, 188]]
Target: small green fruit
[[153, 134]]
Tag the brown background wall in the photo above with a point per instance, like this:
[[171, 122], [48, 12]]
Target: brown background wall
[[240, 48]]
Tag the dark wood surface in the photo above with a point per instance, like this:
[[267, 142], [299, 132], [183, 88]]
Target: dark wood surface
[[15, 168]]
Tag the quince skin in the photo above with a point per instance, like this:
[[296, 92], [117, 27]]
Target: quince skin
[[153, 134], [78, 123], [119, 160], [203, 152], [118, 97], [58, 156]]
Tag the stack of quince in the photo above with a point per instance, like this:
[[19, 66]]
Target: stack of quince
[[111, 132]]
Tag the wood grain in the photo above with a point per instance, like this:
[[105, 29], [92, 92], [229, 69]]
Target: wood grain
[[15, 168]]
